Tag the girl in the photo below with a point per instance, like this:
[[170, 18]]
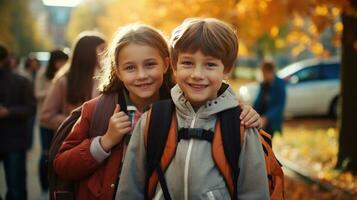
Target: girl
[[138, 69], [42, 83], [73, 84]]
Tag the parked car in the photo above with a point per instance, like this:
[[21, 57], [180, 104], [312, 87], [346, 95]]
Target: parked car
[[313, 87]]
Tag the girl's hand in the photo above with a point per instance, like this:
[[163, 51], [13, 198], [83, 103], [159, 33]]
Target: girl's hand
[[119, 125], [249, 117]]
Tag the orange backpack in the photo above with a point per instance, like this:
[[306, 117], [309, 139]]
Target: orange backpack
[[161, 138]]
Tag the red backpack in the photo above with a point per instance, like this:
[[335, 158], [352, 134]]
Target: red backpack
[[161, 143], [61, 189]]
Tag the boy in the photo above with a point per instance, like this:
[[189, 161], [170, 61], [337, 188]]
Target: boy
[[203, 52]]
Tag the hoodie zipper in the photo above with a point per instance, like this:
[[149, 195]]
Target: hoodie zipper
[[187, 161]]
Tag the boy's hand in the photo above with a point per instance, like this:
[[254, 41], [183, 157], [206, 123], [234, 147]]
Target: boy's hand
[[249, 117], [119, 125]]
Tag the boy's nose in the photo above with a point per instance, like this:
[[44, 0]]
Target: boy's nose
[[197, 72]]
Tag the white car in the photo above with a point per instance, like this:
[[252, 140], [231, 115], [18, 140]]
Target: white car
[[313, 87]]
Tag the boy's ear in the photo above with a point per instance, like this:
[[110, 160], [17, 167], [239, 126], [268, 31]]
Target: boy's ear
[[227, 74]]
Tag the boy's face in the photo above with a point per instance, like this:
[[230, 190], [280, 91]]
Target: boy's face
[[199, 76]]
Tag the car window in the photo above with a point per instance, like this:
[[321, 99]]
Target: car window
[[306, 74], [330, 71]]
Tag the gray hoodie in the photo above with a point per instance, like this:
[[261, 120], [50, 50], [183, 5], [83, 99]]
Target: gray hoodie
[[192, 173]]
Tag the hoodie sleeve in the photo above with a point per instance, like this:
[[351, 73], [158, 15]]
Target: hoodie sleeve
[[132, 178], [252, 180]]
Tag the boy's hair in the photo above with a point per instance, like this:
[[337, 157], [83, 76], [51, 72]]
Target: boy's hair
[[213, 37], [131, 34]]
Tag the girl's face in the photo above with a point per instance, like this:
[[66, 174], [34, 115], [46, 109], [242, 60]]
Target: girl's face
[[59, 63], [141, 69]]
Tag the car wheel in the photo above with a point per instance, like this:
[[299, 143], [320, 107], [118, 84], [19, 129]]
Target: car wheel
[[333, 108]]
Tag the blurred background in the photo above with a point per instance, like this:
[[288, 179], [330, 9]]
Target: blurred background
[[313, 44]]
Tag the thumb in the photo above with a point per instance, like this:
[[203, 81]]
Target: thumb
[[117, 108]]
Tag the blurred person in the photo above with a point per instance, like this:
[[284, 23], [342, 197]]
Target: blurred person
[[73, 84], [29, 71], [42, 83], [271, 98], [17, 104], [31, 66], [14, 62]]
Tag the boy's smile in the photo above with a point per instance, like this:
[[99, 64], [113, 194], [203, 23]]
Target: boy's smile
[[199, 76]]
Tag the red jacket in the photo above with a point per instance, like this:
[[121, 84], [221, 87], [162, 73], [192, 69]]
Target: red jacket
[[75, 162]]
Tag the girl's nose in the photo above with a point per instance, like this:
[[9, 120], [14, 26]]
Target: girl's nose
[[142, 73]]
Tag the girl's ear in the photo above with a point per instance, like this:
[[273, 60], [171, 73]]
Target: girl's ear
[[117, 73]]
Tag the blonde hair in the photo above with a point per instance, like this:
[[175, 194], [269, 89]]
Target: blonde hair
[[137, 34], [212, 36]]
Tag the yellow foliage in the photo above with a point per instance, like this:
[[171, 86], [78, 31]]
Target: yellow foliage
[[252, 18]]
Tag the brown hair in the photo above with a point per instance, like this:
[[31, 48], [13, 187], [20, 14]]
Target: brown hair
[[138, 34], [212, 36], [81, 69], [268, 66]]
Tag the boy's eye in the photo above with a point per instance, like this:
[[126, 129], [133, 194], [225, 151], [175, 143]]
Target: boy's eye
[[211, 64], [186, 62]]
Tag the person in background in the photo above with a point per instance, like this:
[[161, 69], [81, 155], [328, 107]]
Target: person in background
[[29, 71], [74, 83], [17, 105], [42, 83], [271, 98], [14, 62]]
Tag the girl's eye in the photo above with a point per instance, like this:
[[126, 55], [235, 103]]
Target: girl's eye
[[151, 64], [129, 67]]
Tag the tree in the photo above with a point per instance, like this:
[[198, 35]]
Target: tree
[[347, 155], [18, 28], [266, 26], [85, 17]]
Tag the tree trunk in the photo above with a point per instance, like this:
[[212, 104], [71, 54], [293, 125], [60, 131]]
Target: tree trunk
[[347, 155]]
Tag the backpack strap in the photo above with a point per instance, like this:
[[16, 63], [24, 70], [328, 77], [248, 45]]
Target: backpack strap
[[161, 142], [226, 147], [103, 110], [197, 133]]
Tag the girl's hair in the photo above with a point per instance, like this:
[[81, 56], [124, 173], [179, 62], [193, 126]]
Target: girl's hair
[[137, 34], [212, 36], [56, 55], [80, 71]]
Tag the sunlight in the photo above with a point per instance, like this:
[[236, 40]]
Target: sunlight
[[62, 3]]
